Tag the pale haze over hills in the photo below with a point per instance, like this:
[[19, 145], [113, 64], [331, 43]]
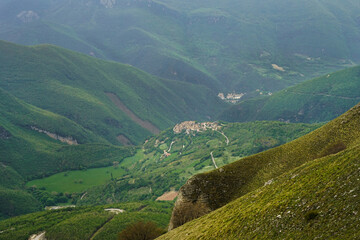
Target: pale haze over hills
[[213, 119]]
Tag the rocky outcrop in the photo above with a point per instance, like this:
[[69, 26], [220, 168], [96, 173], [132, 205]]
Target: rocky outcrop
[[4, 134], [204, 193], [190, 204], [68, 140], [192, 126]]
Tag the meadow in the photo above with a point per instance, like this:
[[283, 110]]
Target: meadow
[[149, 173]]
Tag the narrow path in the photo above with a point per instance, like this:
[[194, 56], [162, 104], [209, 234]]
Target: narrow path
[[83, 195], [40, 236], [227, 139], [170, 146], [102, 226], [213, 160]]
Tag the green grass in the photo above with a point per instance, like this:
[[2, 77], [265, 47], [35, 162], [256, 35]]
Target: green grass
[[218, 44], [35, 155], [79, 227], [77, 181], [250, 173], [83, 222], [316, 200], [27, 154], [147, 169], [316, 100], [17, 202], [75, 86]]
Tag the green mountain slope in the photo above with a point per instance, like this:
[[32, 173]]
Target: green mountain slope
[[316, 100], [35, 154], [85, 222], [319, 199], [113, 101], [27, 153], [166, 161], [31, 148], [227, 46], [209, 191]]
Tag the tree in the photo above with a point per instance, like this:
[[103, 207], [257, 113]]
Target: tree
[[141, 231]]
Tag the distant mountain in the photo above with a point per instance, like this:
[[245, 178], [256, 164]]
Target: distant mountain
[[317, 100], [304, 189], [117, 103], [230, 46]]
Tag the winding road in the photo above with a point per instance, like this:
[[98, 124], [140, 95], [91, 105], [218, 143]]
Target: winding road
[[213, 160], [227, 139], [170, 146]]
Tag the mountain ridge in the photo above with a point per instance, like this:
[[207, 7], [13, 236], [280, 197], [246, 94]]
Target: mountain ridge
[[225, 46], [75, 86], [316, 100], [209, 191]]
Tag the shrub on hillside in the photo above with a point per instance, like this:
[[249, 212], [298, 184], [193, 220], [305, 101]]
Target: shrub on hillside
[[311, 215], [188, 212], [141, 231], [333, 149]]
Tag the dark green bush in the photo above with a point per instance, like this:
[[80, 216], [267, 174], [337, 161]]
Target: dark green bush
[[311, 215], [141, 231]]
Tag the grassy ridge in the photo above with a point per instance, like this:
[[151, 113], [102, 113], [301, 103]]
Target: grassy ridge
[[74, 86], [319, 99], [26, 154], [83, 222], [248, 174], [16, 112], [33, 154], [316, 200]]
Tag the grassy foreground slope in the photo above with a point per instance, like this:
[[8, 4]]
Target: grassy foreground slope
[[113, 101], [319, 99], [85, 222], [318, 200], [215, 189]]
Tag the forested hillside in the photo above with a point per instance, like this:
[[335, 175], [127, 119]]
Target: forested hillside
[[316, 100], [228, 46], [116, 102]]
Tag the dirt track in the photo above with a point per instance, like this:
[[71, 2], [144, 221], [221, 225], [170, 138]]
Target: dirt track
[[145, 124], [168, 196]]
